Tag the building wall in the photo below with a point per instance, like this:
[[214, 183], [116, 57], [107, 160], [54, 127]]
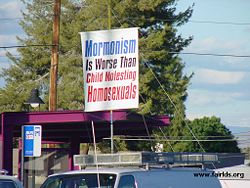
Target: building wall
[[1, 153], [15, 161]]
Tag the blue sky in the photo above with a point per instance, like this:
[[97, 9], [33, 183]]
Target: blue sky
[[221, 85], [9, 29]]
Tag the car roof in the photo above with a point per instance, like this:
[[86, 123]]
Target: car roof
[[8, 177], [101, 170], [123, 170]]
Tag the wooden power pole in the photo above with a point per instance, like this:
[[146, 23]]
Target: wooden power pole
[[54, 57]]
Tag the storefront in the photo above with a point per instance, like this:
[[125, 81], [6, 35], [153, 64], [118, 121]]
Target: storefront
[[72, 127]]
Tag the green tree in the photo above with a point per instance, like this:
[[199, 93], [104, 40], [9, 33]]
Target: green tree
[[158, 22], [161, 69], [31, 69], [206, 128], [119, 145]]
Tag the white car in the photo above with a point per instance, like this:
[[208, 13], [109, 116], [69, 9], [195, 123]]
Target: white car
[[131, 178], [154, 171], [9, 182], [131, 174]]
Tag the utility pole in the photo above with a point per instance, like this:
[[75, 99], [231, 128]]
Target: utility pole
[[111, 112], [54, 57], [109, 14]]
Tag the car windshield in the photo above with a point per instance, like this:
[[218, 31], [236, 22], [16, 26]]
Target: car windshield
[[7, 184], [80, 181]]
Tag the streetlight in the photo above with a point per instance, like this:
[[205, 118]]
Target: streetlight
[[34, 100]]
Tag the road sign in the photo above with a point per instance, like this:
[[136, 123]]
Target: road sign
[[32, 140]]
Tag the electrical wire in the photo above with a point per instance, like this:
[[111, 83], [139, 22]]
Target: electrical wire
[[190, 130], [181, 140], [27, 46], [210, 54], [173, 104], [219, 22], [171, 52], [8, 19], [168, 141], [178, 137], [144, 121], [162, 19], [188, 53]]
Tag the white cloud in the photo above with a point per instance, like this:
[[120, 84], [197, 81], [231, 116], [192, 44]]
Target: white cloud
[[10, 9], [226, 105], [247, 29], [7, 39], [192, 116], [11, 50], [214, 45], [218, 77], [238, 120], [201, 98], [242, 120]]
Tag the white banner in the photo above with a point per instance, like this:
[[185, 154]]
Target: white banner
[[110, 69]]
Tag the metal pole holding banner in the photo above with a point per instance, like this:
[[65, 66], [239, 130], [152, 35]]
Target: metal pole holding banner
[[111, 112], [111, 132], [121, 45]]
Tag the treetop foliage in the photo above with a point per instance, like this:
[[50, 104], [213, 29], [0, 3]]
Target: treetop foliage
[[157, 21], [163, 85]]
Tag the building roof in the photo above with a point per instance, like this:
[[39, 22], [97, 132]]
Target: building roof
[[62, 125]]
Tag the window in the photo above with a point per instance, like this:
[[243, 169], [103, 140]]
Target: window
[[80, 181], [7, 184], [127, 181]]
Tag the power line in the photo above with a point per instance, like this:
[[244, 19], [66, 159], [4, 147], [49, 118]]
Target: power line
[[196, 21], [219, 22], [171, 52], [162, 19], [211, 54], [178, 137], [27, 46], [171, 101], [210, 22], [8, 19], [202, 54], [175, 106], [4, 56], [241, 132], [180, 140]]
